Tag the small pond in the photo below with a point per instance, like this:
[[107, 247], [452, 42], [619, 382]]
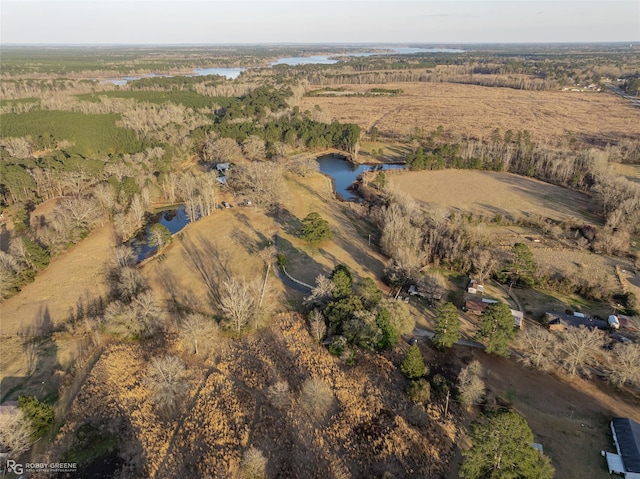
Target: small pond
[[174, 219], [344, 173]]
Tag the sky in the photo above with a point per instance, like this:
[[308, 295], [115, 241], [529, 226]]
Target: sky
[[302, 21]]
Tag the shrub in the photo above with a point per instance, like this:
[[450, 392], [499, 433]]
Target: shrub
[[419, 391]]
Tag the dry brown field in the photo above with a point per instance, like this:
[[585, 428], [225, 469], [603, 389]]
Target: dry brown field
[[631, 172], [76, 275], [490, 193], [475, 111]]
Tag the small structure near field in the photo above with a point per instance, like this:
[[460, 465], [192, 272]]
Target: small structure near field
[[475, 287], [626, 437], [222, 167]]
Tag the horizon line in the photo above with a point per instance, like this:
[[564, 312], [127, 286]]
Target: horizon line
[[258, 44]]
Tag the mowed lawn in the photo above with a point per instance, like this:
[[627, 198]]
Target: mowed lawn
[[476, 111], [489, 193]]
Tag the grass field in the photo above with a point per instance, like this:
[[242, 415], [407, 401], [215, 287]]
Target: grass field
[[476, 111], [489, 193]]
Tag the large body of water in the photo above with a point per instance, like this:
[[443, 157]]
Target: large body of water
[[233, 73], [344, 173]]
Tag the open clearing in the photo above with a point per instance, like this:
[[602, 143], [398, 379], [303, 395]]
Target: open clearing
[[476, 111], [75, 276], [569, 416], [490, 193]]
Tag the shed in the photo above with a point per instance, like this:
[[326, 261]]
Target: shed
[[222, 166], [475, 287], [626, 436]]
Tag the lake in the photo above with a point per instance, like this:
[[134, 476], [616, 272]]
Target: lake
[[344, 173], [174, 219], [234, 72]]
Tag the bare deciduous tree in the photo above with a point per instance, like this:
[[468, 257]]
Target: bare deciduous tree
[[238, 302], [123, 256], [221, 150], [317, 325], [15, 433], [539, 348], [126, 283], [471, 385], [106, 197], [261, 182], [82, 211], [279, 395], [254, 464], [624, 365], [198, 331], [253, 147], [17, 147], [167, 379], [578, 346], [484, 264], [323, 291], [137, 211], [317, 397]]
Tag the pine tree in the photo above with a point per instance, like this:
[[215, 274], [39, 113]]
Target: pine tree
[[315, 229], [497, 326], [413, 364], [503, 448], [447, 330]]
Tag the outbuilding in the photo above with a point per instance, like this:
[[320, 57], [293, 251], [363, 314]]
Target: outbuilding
[[626, 436]]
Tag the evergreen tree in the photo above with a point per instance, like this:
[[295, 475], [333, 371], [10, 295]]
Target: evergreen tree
[[389, 334], [497, 326], [368, 292], [502, 449], [159, 235], [343, 281], [447, 331], [40, 415], [413, 364], [315, 229], [522, 266]]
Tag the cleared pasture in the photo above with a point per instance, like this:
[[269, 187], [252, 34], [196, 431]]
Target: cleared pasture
[[475, 111], [489, 194]]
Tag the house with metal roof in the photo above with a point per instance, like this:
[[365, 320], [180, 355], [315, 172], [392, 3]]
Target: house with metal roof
[[626, 436]]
